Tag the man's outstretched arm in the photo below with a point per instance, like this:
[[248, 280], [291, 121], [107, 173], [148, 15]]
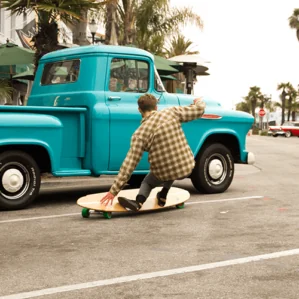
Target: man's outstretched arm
[[191, 112]]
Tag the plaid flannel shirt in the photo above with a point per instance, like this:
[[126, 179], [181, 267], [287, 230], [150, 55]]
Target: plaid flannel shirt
[[161, 135]]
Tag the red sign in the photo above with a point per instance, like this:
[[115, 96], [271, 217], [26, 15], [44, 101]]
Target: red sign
[[262, 112]]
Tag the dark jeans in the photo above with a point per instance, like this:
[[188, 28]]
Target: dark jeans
[[150, 182]]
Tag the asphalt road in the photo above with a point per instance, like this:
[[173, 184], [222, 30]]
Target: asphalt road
[[243, 243]]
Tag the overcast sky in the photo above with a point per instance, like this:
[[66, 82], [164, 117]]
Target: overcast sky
[[248, 43]]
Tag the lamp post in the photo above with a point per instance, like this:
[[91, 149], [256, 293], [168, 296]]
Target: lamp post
[[93, 26], [287, 97]]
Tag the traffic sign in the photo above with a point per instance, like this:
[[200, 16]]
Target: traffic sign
[[262, 112]]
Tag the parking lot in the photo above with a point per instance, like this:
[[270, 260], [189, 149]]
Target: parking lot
[[243, 243]]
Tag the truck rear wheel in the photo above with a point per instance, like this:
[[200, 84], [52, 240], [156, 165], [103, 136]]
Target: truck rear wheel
[[214, 169], [19, 180]]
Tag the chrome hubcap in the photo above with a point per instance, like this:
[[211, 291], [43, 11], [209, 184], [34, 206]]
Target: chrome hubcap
[[215, 169], [14, 180]]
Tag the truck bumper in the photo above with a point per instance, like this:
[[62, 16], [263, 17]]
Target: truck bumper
[[250, 158]]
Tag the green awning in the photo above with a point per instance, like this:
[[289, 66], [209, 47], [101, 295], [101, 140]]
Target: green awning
[[164, 66], [11, 54], [168, 77]]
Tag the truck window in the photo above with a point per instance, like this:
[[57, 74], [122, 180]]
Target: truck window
[[61, 72], [129, 75]]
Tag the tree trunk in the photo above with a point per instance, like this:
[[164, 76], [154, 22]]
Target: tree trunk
[[293, 115], [111, 29], [129, 29], [283, 104], [282, 110], [79, 30], [253, 107], [46, 38], [289, 108]]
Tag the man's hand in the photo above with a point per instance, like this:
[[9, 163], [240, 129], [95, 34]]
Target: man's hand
[[197, 99], [107, 198]]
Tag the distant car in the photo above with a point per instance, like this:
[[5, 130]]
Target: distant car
[[276, 131], [290, 128]]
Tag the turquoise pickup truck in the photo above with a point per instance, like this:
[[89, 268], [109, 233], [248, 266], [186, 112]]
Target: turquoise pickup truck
[[80, 117]]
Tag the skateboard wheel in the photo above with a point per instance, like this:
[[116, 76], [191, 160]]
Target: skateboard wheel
[[180, 206], [107, 215], [85, 213]]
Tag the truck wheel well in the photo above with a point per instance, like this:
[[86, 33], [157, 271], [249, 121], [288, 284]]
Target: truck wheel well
[[228, 140], [38, 153]]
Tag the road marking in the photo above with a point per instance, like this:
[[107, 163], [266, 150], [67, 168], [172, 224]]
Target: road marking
[[223, 200], [40, 217], [151, 275], [76, 214]]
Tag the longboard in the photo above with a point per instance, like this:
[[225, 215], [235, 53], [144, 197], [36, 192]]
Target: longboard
[[175, 197]]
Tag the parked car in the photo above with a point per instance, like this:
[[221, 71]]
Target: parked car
[[290, 128], [276, 131]]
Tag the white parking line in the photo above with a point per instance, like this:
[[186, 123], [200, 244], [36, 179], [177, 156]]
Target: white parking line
[[223, 200], [151, 275], [37, 218], [75, 214]]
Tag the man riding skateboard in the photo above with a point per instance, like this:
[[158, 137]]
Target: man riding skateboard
[[170, 157]]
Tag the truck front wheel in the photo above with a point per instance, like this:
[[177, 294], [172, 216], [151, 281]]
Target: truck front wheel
[[19, 180], [214, 169]]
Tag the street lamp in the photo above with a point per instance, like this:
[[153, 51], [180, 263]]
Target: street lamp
[[93, 26]]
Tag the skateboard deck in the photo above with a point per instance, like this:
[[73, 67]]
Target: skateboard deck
[[175, 197]]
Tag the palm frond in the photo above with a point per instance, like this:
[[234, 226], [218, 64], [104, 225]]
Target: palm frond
[[5, 89]]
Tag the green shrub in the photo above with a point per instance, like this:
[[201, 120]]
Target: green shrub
[[255, 131], [264, 133]]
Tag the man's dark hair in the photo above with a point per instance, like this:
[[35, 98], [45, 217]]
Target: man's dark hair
[[147, 102]]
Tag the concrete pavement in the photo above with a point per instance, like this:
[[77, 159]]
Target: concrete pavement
[[239, 244]]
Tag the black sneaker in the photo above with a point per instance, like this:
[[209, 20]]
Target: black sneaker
[[132, 205], [161, 201]]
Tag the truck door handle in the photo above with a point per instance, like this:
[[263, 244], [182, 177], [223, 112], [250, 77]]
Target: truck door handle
[[114, 99]]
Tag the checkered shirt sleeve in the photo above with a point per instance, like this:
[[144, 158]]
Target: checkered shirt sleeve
[[133, 157], [191, 112]]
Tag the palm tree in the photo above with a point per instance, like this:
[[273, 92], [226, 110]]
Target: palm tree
[[111, 21], [294, 21], [292, 95], [254, 96], [179, 45], [264, 99], [295, 110], [6, 90], [286, 90], [155, 19], [127, 12], [146, 23], [48, 13], [244, 106]]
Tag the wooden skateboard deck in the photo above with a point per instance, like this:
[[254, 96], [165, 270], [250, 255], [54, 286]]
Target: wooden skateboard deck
[[175, 197]]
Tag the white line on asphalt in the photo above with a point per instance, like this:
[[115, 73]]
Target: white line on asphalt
[[37, 218], [75, 214], [151, 275], [223, 200]]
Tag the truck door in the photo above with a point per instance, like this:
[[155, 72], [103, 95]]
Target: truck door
[[128, 79]]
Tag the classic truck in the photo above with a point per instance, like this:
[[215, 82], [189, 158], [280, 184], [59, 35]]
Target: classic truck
[[81, 114]]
